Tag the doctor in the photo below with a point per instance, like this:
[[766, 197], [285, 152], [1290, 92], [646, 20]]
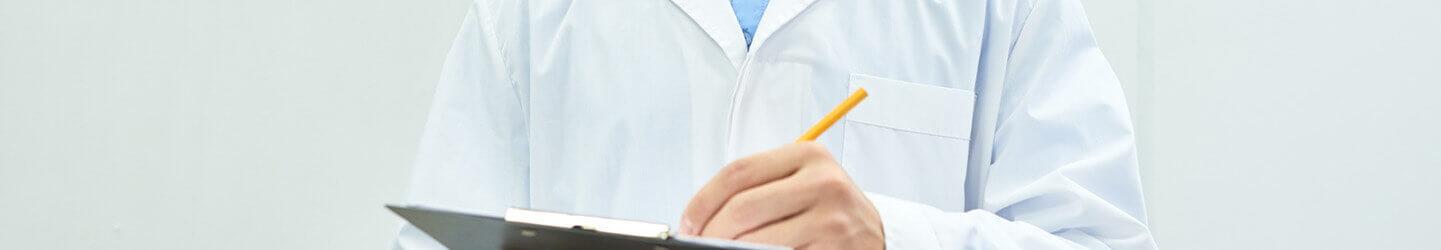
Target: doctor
[[992, 124]]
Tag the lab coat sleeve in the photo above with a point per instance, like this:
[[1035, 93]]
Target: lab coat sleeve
[[473, 153], [1063, 172]]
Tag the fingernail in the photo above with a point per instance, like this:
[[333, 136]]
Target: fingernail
[[686, 228]]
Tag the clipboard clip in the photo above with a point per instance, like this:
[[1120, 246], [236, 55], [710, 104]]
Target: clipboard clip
[[596, 224]]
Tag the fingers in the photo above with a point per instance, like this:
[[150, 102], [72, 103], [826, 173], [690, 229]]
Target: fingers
[[763, 205], [829, 244], [792, 232], [743, 174]]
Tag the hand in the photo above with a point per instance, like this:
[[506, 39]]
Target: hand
[[796, 196]]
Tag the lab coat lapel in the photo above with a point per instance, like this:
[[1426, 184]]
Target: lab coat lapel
[[776, 15], [745, 137], [719, 22]]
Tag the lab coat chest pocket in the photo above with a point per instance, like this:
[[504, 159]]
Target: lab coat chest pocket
[[909, 140]]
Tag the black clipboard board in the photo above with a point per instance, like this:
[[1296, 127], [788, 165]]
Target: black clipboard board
[[463, 231]]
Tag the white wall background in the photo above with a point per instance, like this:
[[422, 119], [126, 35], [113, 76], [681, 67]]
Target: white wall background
[[184, 124], [269, 124], [1302, 124]]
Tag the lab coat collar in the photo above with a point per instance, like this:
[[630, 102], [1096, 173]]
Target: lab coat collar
[[718, 21], [776, 15]]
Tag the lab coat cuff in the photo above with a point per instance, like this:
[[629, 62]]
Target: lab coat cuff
[[907, 225]]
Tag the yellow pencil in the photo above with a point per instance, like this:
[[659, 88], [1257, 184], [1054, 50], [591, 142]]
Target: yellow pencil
[[834, 116]]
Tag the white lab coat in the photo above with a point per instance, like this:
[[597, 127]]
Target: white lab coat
[[992, 124]]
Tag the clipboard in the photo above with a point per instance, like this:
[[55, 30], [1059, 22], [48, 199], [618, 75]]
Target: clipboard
[[528, 229]]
